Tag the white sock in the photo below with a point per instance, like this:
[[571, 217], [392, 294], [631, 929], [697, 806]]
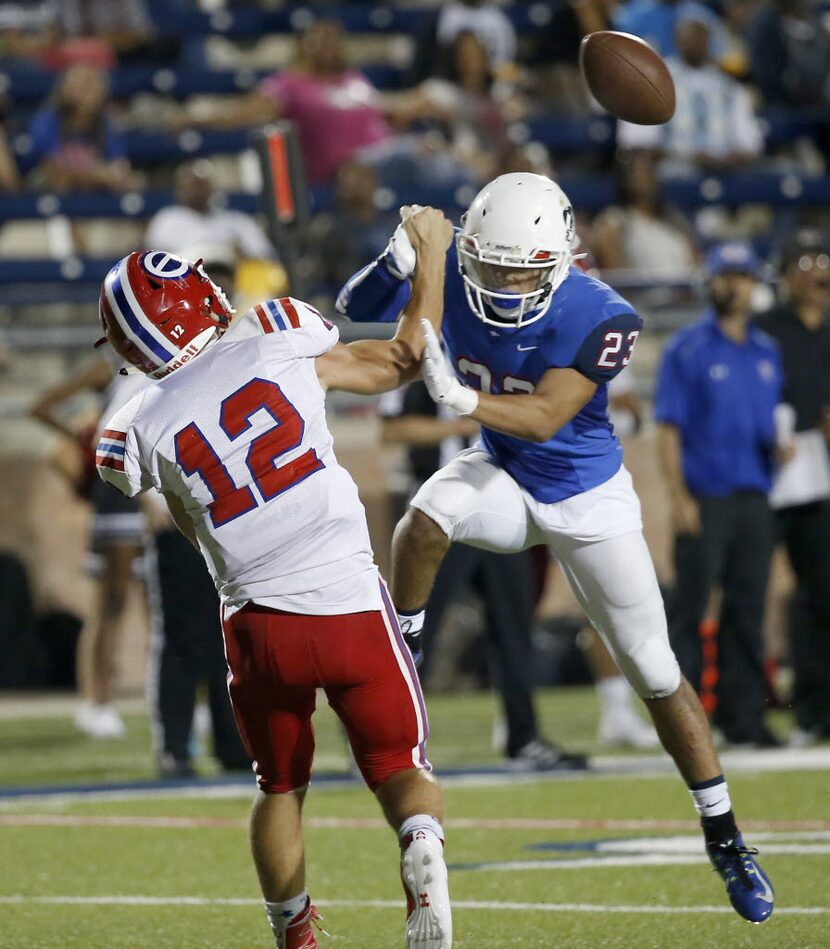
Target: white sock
[[614, 695], [411, 623], [419, 823], [281, 914], [711, 797]]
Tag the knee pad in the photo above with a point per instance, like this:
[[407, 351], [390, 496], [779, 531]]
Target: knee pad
[[651, 667], [440, 507]]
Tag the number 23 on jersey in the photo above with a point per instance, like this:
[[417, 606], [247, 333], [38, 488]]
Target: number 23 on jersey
[[618, 349]]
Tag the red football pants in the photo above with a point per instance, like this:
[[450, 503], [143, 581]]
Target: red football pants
[[278, 660]]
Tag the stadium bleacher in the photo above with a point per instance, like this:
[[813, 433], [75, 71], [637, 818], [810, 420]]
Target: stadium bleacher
[[387, 32]]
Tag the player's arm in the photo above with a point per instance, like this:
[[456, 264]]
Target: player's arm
[[96, 376], [251, 110], [537, 417], [180, 517], [560, 394], [372, 366], [672, 410], [425, 430], [118, 457], [379, 292], [684, 508]]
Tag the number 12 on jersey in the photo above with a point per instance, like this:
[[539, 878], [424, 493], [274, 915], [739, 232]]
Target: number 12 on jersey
[[195, 454]]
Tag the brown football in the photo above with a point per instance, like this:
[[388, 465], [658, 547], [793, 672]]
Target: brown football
[[627, 77]]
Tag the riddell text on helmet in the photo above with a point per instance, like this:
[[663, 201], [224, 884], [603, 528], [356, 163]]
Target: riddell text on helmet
[[185, 356]]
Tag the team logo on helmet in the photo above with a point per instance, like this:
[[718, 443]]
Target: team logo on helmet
[[166, 266], [570, 225]]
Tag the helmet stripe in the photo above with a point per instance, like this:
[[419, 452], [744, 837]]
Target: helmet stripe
[[135, 322], [138, 310], [121, 320]]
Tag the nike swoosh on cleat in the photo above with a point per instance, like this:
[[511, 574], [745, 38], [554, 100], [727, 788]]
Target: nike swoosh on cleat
[[767, 896]]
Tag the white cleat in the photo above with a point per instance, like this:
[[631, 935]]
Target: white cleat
[[424, 873], [626, 729], [100, 721]]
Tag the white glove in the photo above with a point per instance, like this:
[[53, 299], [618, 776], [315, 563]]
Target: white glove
[[400, 254], [440, 380]]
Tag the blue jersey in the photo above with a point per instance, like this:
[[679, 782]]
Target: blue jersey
[[721, 396], [588, 327]]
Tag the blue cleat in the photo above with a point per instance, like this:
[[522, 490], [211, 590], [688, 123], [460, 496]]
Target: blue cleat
[[749, 888]]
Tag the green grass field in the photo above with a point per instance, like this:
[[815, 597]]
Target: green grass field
[[528, 870]]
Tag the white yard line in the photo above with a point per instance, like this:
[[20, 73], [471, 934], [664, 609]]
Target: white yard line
[[397, 904], [606, 769], [630, 861], [799, 828]]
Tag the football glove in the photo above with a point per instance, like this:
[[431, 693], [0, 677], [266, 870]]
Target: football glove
[[440, 380], [399, 256]]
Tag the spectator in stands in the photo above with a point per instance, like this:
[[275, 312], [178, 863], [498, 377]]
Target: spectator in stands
[[197, 217], [718, 387], [714, 128], [524, 156], [801, 492], [656, 21], [339, 115], [641, 232], [484, 19], [789, 51], [9, 173], [559, 82], [336, 109], [357, 230], [75, 141], [27, 28], [124, 26], [473, 107]]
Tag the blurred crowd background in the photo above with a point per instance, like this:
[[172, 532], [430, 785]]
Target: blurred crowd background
[[136, 123]]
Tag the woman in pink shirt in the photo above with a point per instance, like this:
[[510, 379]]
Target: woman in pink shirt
[[336, 110]]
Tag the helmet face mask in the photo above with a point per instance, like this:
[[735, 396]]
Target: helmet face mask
[[159, 311], [515, 248]]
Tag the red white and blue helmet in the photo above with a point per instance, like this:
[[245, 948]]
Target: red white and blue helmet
[[159, 311]]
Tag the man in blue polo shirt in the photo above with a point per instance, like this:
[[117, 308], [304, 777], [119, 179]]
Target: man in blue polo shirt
[[718, 387]]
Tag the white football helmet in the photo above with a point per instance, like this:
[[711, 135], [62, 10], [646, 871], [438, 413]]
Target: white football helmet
[[518, 222]]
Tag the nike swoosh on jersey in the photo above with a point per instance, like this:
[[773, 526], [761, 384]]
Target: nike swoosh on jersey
[[524, 349]]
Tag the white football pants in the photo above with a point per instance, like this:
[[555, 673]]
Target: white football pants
[[596, 536]]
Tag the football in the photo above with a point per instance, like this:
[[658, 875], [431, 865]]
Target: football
[[627, 77]]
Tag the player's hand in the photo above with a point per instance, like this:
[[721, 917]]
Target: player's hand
[[685, 513], [440, 380], [427, 229], [399, 255]]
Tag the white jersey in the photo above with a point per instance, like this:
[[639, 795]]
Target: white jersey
[[239, 435]]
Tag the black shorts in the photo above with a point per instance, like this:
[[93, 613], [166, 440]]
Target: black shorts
[[116, 518]]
